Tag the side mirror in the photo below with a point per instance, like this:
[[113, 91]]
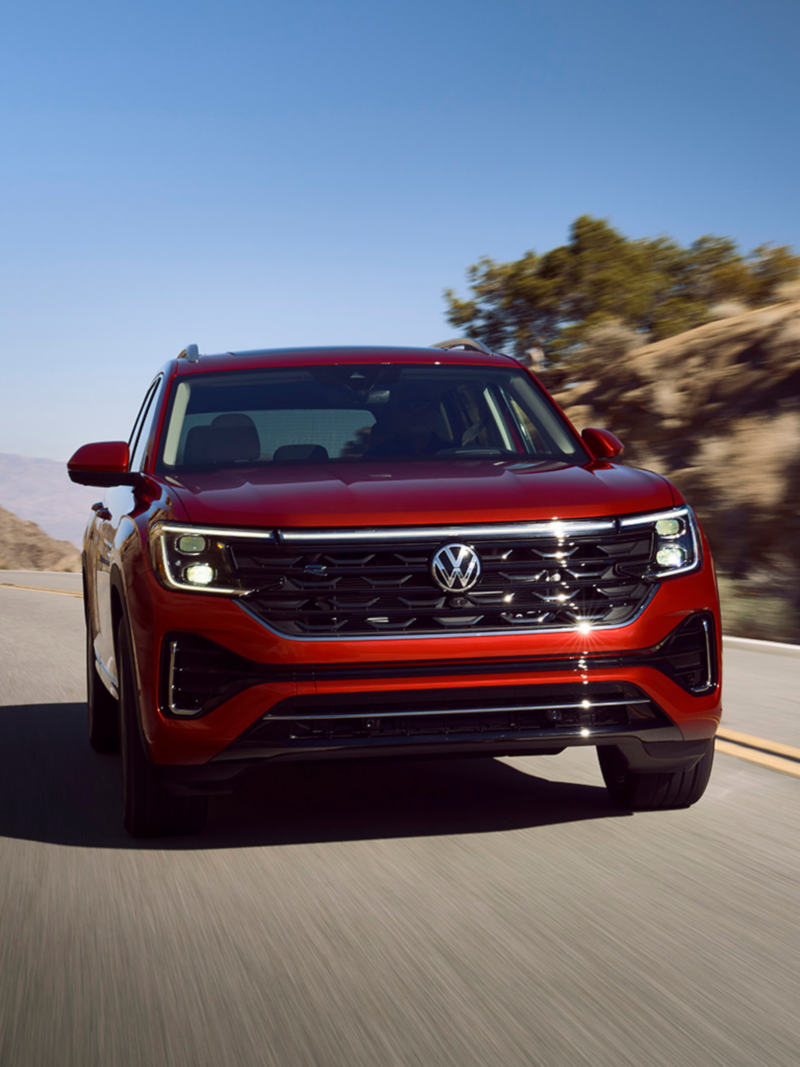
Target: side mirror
[[104, 463], [602, 444]]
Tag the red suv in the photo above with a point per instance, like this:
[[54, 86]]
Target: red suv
[[381, 552]]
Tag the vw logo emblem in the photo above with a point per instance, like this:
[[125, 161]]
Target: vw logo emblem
[[456, 567]]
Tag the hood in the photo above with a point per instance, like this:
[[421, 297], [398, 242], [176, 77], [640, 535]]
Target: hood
[[415, 493]]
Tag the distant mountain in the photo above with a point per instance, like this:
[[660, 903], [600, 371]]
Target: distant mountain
[[39, 490], [24, 546]]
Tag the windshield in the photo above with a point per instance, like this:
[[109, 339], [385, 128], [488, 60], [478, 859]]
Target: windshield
[[360, 413]]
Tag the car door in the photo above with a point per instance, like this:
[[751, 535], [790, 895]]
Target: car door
[[118, 502]]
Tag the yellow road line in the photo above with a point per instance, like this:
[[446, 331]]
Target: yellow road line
[[763, 759], [775, 748], [41, 589]]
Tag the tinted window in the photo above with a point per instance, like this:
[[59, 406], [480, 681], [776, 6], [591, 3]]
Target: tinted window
[[361, 412], [142, 427]]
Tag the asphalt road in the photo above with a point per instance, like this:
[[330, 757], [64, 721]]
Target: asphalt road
[[478, 912]]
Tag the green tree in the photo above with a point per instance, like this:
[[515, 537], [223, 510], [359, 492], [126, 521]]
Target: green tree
[[673, 307], [716, 271], [770, 266], [652, 286]]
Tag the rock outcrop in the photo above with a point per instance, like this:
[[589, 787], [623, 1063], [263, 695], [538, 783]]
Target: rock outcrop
[[24, 546]]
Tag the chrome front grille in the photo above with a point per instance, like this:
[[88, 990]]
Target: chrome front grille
[[376, 584]]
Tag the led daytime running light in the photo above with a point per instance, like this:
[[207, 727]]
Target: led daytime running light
[[686, 538], [190, 560]]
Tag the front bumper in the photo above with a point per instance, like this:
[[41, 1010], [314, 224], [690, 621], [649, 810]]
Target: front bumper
[[269, 676], [504, 718]]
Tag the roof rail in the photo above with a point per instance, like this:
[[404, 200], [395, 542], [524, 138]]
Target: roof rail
[[190, 353], [464, 342]]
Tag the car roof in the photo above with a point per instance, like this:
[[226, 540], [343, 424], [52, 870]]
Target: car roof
[[289, 357]]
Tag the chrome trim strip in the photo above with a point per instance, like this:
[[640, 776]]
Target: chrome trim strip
[[553, 528], [579, 629], [655, 516], [709, 682], [173, 645], [213, 531], [550, 528], [448, 711]]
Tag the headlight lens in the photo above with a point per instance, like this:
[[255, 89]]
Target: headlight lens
[[191, 544], [195, 560], [199, 574], [669, 527], [677, 541]]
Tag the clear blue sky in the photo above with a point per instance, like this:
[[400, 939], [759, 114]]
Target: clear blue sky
[[256, 174]]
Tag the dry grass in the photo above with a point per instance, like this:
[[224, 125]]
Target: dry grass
[[726, 309]]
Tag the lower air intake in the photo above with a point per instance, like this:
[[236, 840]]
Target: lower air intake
[[506, 710]]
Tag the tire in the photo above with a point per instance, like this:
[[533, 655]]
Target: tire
[[149, 810], [661, 791], [102, 710]]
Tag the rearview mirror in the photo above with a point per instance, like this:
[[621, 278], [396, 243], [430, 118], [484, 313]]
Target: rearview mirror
[[104, 463], [602, 443]]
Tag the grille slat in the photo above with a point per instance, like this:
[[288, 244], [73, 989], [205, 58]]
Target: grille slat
[[367, 588]]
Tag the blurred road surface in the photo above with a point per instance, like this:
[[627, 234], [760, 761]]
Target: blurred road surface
[[466, 913]]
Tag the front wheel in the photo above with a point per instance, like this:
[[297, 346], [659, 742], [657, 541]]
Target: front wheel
[[651, 792], [149, 810]]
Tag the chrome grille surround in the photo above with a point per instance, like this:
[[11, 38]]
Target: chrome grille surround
[[535, 577]]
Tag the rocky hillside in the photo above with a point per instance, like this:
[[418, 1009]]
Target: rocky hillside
[[24, 546], [717, 410]]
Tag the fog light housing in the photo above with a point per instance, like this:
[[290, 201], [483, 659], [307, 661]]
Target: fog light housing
[[199, 574], [672, 556]]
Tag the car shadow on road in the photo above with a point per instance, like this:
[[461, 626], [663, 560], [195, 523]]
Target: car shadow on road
[[54, 788]]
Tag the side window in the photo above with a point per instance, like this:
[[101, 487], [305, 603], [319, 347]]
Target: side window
[[142, 426]]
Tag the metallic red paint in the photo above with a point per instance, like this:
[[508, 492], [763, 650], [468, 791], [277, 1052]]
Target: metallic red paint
[[121, 575], [415, 494]]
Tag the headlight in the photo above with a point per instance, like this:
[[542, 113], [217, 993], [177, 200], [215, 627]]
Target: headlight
[[677, 541], [196, 559]]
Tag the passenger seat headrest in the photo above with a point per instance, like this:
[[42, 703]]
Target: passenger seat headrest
[[195, 450], [233, 438]]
